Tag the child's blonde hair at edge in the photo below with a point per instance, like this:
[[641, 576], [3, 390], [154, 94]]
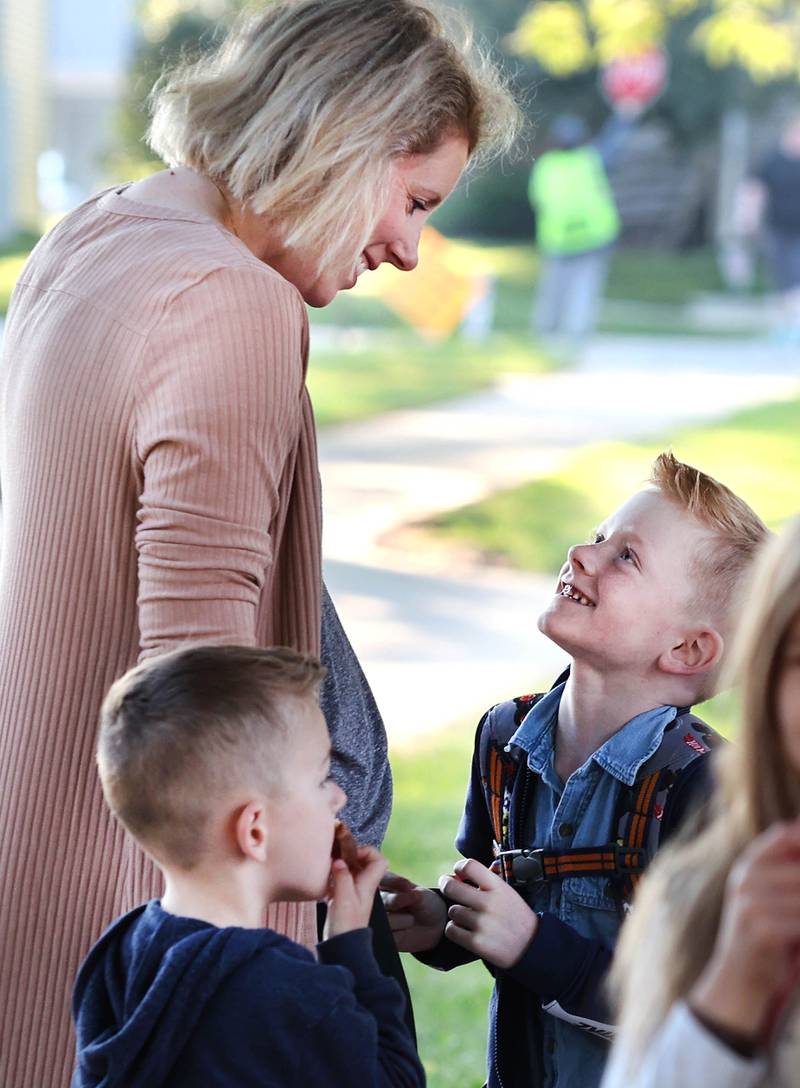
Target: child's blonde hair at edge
[[670, 935]]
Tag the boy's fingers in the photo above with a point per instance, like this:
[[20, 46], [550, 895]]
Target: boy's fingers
[[341, 878], [400, 921], [475, 873], [369, 856], [463, 917], [394, 901], [393, 882], [374, 868], [453, 888], [462, 937], [370, 878]]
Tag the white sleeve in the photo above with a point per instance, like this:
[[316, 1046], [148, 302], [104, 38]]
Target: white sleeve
[[684, 1054]]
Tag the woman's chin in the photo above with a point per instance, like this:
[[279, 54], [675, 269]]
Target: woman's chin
[[324, 291]]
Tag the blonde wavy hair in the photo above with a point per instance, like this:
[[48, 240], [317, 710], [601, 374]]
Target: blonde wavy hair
[[669, 937], [300, 110]]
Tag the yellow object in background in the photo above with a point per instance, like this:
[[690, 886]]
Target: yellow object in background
[[437, 296]]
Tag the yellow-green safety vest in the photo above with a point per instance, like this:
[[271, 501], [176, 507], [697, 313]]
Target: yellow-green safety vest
[[574, 205]]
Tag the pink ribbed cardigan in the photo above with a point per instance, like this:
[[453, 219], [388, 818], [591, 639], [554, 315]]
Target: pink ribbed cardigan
[[159, 485]]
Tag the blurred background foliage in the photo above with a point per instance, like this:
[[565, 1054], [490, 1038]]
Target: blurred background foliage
[[724, 54]]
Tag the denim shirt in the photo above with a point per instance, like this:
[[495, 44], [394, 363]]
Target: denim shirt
[[579, 813]]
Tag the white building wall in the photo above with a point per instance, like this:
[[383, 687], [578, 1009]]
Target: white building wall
[[23, 110], [90, 43]]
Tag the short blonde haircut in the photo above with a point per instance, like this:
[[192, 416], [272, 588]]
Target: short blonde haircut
[[301, 109], [720, 569], [179, 732]]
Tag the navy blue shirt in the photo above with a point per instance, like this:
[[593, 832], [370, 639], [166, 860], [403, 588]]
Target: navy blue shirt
[[177, 1002]]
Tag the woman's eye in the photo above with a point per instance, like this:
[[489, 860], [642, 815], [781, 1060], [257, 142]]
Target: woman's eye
[[417, 205], [597, 538], [626, 554]]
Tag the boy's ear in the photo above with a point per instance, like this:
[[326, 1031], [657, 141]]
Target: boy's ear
[[697, 652], [250, 831]]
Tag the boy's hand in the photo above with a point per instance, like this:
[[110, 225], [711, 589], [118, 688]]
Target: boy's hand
[[352, 894], [758, 940], [417, 915], [488, 917]]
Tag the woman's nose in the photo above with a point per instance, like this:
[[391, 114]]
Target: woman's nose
[[404, 252], [339, 799]]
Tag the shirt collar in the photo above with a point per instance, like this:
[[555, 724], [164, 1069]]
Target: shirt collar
[[535, 733], [622, 754]]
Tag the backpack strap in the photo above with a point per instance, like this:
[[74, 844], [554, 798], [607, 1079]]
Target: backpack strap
[[637, 818], [499, 765], [641, 807]]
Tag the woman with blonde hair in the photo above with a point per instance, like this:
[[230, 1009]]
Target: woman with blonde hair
[[159, 470], [708, 969]]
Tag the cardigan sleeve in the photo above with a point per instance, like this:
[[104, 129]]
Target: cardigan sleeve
[[218, 421]]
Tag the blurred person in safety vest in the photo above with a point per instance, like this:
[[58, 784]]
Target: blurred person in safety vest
[[577, 224]]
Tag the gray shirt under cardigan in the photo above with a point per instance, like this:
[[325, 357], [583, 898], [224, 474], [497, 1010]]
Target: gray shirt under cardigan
[[360, 762]]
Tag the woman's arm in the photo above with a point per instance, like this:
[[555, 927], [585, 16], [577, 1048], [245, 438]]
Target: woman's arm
[[218, 420]]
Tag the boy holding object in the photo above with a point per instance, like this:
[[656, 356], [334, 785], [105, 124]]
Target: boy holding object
[[572, 792], [217, 761]]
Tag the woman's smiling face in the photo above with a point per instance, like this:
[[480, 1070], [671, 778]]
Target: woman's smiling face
[[418, 184]]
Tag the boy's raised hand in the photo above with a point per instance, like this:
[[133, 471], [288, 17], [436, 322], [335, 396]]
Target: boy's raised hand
[[417, 915], [487, 917], [352, 891]]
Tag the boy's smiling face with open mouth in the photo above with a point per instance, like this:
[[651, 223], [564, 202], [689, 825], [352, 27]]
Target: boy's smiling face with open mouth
[[624, 599]]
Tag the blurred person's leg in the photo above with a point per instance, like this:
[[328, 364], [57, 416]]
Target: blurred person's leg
[[783, 257], [553, 277], [582, 296]]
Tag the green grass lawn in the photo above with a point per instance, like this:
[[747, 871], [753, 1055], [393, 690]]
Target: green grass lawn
[[407, 371], [755, 451], [450, 1007]]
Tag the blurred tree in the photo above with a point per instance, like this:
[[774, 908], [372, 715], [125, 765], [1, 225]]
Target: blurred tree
[[729, 59], [551, 50], [167, 30], [570, 36]]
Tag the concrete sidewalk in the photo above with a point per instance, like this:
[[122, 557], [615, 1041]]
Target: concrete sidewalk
[[439, 645]]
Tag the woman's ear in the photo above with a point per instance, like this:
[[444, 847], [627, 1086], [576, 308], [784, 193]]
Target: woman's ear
[[250, 831], [698, 651]]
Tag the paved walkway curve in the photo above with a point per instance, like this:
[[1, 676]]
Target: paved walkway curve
[[439, 645]]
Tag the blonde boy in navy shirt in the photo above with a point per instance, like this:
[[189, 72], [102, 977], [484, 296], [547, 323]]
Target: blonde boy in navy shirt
[[217, 761]]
